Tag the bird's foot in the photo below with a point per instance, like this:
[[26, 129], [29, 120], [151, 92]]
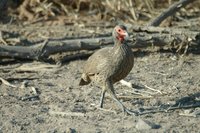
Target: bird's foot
[[129, 112], [101, 105]]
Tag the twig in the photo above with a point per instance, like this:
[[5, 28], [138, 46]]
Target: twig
[[40, 54], [159, 73], [7, 83], [128, 84], [191, 114], [153, 89], [78, 114], [132, 10], [170, 108], [134, 97], [140, 92], [169, 12], [1, 38], [29, 97]]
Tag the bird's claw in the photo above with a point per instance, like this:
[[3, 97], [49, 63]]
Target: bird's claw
[[130, 112]]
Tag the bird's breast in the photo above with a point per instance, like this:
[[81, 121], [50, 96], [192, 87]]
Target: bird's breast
[[122, 63]]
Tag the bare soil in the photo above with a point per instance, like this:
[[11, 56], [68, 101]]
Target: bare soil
[[177, 77], [60, 105]]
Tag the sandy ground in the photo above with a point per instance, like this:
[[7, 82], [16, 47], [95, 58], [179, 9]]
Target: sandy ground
[[176, 77]]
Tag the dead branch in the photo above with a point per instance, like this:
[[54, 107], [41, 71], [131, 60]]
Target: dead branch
[[7, 83], [157, 110], [145, 37], [169, 12]]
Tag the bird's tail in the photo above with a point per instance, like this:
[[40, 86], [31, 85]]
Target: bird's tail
[[83, 82]]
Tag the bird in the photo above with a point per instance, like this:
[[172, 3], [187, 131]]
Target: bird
[[109, 65]]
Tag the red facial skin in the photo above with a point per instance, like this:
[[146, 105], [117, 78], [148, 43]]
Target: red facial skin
[[121, 34]]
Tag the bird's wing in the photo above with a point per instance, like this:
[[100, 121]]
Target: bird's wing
[[97, 62]]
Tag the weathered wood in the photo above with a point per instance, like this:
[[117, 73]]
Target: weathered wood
[[142, 37], [169, 12]]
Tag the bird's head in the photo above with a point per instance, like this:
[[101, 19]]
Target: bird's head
[[120, 33]]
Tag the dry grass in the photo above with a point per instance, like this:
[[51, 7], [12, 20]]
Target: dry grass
[[68, 11]]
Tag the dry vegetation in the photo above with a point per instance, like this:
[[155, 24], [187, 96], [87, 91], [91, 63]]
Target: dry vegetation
[[85, 11], [98, 17]]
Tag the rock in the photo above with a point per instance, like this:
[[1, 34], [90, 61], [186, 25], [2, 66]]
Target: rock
[[144, 125], [70, 130]]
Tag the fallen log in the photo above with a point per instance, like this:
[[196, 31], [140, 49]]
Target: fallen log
[[143, 37]]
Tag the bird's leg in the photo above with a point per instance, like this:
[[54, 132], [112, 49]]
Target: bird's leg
[[102, 97], [109, 87]]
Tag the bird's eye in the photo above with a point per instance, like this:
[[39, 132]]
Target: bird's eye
[[119, 30]]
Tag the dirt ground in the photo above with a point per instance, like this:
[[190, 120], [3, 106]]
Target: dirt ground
[[46, 98], [176, 77]]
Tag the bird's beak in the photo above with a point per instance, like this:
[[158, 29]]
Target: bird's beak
[[126, 36]]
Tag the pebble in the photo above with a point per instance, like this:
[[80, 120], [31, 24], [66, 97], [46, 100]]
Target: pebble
[[144, 125]]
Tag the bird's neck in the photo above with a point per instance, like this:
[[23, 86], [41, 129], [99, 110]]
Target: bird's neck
[[120, 48], [120, 43]]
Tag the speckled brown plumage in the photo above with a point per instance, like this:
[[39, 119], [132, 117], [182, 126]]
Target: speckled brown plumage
[[109, 65]]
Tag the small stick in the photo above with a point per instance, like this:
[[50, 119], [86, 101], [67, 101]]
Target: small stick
[[29, 97], [170, 108], [34, 90], [128, 84], [153, 89], [140, 92], [132, 10], [66, 113], [133, 97], [1, 38], [169, 12], [159, 73], [185, 114], [7, 83]]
